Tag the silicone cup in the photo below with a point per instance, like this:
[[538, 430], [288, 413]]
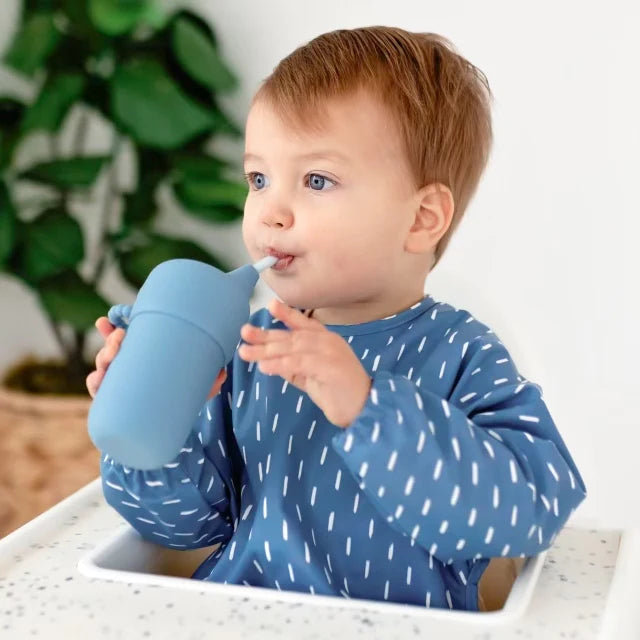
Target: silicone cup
[[181, 331]]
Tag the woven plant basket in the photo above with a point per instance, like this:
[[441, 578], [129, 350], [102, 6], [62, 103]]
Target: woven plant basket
[[45, 453]]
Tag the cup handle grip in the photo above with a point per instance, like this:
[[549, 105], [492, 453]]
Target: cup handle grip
[[119, 315]]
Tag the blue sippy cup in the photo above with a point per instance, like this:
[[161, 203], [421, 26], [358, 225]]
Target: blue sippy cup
[[182, 329]]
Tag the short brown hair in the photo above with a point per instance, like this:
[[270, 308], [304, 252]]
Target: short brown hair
[[440, 101]]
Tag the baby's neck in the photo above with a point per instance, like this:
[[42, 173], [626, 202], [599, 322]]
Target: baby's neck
[[364, 312]]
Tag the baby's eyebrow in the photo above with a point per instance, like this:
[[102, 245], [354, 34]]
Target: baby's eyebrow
[[325, 154]]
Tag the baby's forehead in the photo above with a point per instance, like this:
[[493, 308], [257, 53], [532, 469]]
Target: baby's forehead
[[318, 114], [355, 127]]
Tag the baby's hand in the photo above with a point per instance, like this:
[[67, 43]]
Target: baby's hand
[[113, 339], [318, 361]]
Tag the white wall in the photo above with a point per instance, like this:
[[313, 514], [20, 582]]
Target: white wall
[[545, 254]]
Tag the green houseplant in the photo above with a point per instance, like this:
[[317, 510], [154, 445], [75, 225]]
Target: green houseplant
[[154, 76]]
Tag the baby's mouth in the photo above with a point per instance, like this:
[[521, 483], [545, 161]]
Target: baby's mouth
[[283, 263], [284, 259]]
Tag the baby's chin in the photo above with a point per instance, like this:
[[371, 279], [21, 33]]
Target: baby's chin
[[289, 294], [296, 302]]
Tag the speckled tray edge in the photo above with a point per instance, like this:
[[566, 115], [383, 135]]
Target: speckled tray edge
[[93, 565], [36, 528]]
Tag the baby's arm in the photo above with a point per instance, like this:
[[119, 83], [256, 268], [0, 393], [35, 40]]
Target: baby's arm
[[471, 476], [190, 502]]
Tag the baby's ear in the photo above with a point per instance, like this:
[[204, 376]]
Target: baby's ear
[[431, 218]]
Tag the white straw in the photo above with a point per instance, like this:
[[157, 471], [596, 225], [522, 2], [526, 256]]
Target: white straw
[[265, 263]]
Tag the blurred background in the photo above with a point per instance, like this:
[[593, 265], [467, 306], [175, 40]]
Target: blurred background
[[121, 144]]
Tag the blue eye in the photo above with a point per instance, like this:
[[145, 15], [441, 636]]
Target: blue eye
[[255, 177], [325, 179], [251, 177]]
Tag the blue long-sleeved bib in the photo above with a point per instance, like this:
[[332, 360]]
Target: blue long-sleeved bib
[[454, 459]]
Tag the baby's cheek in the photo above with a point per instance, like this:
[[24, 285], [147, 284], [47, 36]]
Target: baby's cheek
[[344, 253], [248, 233]]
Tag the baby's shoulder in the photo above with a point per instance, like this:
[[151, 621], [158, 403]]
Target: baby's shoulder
[[464, 338], [455, 324]]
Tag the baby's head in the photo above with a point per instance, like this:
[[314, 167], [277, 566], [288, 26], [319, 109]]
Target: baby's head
[[401, 126]]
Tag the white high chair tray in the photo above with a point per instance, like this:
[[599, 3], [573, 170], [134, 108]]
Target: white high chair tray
[[79, 570]]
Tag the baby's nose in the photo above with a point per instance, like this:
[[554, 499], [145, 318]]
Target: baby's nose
[[277, 216]]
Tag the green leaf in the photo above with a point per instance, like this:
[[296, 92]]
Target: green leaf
[[67, 173], [8, 143], [155, 17], [33, 44], [52, 105], [198, 165], [39, 5], [223, 124], [136, 264], [197, 54], [139, 206], [148, 104], [197, 192], [67, 298], [114, 17], [7, 224], [52, 244], [216, 215], [212, 199], [11, 112], [83, 28]]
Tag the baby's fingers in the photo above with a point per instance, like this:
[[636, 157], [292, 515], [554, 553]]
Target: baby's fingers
[[110, 349], [93, 381], [104, 326]]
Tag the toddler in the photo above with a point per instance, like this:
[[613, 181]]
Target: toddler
[[367, 440]]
